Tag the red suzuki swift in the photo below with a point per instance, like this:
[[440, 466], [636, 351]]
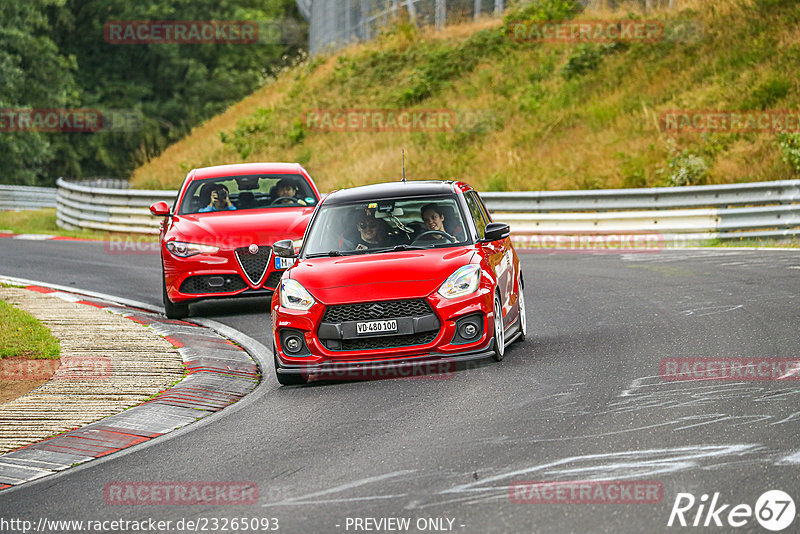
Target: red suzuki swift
[[396, 276], [218, 240]]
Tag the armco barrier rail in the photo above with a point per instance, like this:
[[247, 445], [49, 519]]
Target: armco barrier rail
[[679, 215], [18, 198], [108, 205]]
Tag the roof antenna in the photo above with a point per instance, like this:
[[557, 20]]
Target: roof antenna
[[404, 165]]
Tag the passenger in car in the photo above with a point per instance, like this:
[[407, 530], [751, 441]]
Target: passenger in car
[[437, 219], [372, 232], [220, 200]]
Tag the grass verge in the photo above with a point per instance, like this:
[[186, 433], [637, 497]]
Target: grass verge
[[528, 115], [23, 336], [44, 222]]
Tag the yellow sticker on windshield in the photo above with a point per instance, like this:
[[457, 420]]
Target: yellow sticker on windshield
[[372, 205]]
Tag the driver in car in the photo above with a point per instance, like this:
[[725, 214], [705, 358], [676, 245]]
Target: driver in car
[[220, 200], [285, 191]]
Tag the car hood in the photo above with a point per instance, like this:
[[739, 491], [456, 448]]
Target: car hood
[[382, 276], [234, 229]]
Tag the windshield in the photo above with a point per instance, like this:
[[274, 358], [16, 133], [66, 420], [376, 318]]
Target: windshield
[[234, 193], [383, 225]]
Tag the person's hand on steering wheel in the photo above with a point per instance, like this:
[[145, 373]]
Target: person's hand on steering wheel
[[431, 235]]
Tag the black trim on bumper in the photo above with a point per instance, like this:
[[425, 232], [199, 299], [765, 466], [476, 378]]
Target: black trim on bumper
[[382, 365]]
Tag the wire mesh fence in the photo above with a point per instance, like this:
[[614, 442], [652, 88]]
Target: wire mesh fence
[[336, 23]]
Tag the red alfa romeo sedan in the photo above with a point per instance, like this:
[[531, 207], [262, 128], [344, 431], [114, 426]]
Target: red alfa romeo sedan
[[217, 240], [393, 277]]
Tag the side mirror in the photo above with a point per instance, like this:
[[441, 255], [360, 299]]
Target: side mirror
[[284, 249], [496, 231], [160, 209]]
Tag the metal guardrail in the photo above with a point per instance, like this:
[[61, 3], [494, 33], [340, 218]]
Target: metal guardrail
[[676, 214], [18, 197], [108, 205]]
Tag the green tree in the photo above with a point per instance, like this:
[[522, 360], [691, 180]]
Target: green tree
[[33, 74]]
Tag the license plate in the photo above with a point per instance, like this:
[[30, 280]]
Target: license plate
[[376, 327], [283, 263]]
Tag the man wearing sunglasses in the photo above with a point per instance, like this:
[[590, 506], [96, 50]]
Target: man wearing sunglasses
[[373, 233]]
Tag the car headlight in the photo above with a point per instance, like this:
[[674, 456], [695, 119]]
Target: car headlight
[[184, 250], [294, 296], [462, 282]]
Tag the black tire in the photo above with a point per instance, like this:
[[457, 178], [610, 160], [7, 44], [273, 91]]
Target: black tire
[[172, 310], [284, 379], [499, 345], [523, 321]]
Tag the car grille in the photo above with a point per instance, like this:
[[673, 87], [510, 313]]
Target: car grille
[[367, 311], [254, 265], [388, 342], [273, 279], [200, 284]]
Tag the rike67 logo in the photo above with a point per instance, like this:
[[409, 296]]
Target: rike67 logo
[[774, 510]]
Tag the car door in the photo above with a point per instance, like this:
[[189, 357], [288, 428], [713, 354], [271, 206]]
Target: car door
[[497, 253]]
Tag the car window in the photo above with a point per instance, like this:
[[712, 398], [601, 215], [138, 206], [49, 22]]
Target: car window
[[369, 226], [477, 213], [249, 192]]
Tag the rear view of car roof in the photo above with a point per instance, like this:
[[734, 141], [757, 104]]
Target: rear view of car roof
[[392, 190], [247, 168]]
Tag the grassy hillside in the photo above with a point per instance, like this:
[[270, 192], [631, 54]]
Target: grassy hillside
[[529, 116]]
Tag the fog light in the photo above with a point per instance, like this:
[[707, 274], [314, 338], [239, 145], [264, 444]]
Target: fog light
[[293, 344], [216, 281], [469, 330]]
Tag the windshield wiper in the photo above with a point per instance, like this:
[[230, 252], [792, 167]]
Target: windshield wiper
[[399, 248], [328, 254]]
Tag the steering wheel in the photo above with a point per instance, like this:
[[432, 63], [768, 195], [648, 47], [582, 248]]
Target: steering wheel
[[293, 199], [445, 235]]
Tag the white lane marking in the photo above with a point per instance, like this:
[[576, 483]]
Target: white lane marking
[[711, 310], [344, 487], [33, 237], [791, 459], [793, 417], [793, 267], [617, 465]]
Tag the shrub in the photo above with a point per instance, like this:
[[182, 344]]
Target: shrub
[[789, 145], [687, 169]]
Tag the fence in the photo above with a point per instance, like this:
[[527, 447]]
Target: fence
[[678, 214], [108, 205], [18, 198], [335, 23]]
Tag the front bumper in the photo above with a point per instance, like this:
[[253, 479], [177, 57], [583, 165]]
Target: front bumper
[[214, 276], [320, 353], [431, 363]]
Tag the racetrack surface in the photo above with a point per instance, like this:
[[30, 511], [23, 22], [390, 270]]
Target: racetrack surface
[[580, 399]]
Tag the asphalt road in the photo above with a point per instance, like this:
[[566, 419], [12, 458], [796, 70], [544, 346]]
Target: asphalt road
[[581, 399]]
